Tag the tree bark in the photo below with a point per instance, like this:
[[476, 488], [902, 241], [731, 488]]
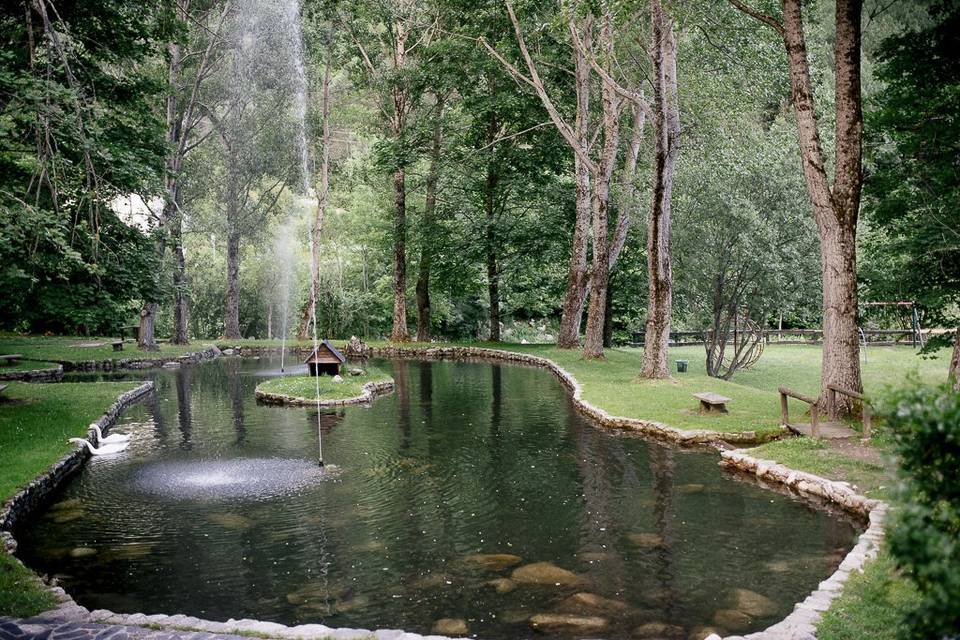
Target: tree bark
[[232, 322], [181, 308], [666, 150], [575, 296], [953, 374], [608, 319], [600, 269], [429, 209], [303, 330], [489, 208], [400, 333]]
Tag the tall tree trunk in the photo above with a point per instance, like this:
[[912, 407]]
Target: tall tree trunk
[[608, 319], [400, 333], [953, 374], [490, 229], [600, 270], [303, 330], [666, 150], [181, 309], [232, 318], [429, 209], [835, 210], [576, 291]]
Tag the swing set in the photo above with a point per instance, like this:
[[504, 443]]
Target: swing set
[[894, 336]]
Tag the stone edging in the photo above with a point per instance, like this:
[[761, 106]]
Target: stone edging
[[47, 374], [192, 357], [801, 623], [25, 500], [369, 391], [659, 430]]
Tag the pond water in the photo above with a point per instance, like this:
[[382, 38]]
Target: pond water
[[218, 510]]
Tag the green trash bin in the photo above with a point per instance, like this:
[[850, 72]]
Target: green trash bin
[[682, 366]]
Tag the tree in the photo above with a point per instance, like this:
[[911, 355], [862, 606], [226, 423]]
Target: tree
[[836, 207], [912, 193], [185, 81], [79, 133]]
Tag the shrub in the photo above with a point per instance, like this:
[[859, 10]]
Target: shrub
[[925, 534]]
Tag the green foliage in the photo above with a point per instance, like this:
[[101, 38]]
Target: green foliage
[[925, 535], [305, 387], [78, 129]]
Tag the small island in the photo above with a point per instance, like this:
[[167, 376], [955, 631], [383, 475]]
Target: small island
[[358, 386]]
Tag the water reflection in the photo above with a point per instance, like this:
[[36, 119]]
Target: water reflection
[[230, 516]]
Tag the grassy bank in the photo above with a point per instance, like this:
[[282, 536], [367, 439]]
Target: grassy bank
[[305, 387], [78, 349], [35, 422]]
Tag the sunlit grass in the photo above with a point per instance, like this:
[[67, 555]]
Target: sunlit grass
[[79, 349], [305, 387]]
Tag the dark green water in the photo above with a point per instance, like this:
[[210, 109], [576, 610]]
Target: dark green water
[[217, 511]]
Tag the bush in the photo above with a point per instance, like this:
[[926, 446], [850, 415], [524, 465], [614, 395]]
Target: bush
[[925, 534]]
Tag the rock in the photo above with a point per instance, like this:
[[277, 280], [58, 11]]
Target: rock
[[646, 540], [502, 585], [778, 566], [692, 488], [61, 517], [82, 552], [227, 352], [732, 619], [754, 604], [432, 581], [493, 561], [355, 372], [66, 505], [514, 616], [171, 365], [337, 379], [702, 633], [557, 621], [658, 630], [451, 627], [230, 521], [584, 601], [544, 573]]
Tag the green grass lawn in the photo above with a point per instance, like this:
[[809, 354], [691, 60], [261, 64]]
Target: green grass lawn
[[306, 386], [872, 606], [77, 349], [28, 365], [35, 422]]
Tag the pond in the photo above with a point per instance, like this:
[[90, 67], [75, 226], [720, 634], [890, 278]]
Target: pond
[[474, 492]]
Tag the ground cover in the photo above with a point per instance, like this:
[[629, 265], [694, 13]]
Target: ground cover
[[305, 387], [35, 422]]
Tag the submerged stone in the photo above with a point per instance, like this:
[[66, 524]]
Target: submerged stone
[[66, 505], [754, 604], [62, 517], [578, 624], [692, 488], [82, 552], [646, 540], [658, 630], [732, 619], [230, 520], [585, 601], [493, 561], [451, 627], [502, 585], [544, 573]]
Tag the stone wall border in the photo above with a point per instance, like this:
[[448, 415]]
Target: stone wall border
[[113, 364], [798, 625], [45, 374], [369, 391]]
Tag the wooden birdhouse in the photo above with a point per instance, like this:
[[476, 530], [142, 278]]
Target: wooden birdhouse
[[325, 360]]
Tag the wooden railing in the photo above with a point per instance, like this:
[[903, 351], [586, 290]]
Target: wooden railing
[[814, 410], [833, 390]]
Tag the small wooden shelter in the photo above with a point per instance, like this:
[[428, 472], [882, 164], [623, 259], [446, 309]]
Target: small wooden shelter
[[325, 360]]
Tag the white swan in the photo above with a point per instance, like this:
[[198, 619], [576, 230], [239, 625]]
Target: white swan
[[110, 439], [105, 450]]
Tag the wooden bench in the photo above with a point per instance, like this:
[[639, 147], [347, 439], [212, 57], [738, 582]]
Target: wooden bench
[[134, 330], [118, 345], [10, 359], [712, 402]]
